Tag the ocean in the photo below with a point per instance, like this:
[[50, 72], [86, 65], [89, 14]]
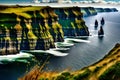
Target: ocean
[[80, 55]]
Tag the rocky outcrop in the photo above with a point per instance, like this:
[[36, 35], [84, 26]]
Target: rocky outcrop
[[107, 10], [114, 10], [89, 11], [99, 10], [71, 21]]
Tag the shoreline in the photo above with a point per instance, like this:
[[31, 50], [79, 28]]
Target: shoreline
[[95, 71]]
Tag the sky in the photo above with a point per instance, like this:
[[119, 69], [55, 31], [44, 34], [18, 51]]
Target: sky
[[30, 1], [15, 1]]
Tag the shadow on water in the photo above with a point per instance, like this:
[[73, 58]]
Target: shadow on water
[[95, 27], [100, 38], [14, 70], [84, 38]]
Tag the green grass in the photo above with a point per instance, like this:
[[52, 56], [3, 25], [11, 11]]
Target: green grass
[[112, 73], [83, 76]]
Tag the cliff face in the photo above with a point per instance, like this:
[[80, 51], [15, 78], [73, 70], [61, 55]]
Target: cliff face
[[99, 10], [71, 21], [88, 11], [28, 28], [37, 28]]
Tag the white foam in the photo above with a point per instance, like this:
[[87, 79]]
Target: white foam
[[92, 25], [63, 49], [56, 53], [97, 35], [64, 44], [77, 40], [50, 51], [36, 51], [14, 57]]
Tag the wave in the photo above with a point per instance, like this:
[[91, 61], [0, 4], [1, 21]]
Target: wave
[[60, 49], [44, 52], [64, 44], [76, 40], [21, 57]]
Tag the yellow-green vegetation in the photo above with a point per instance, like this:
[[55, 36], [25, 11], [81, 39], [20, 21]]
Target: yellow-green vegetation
[[71, 20], [88, 11], [92, 10], [21, 11], [28, 27], [113, 73], [84, 12], [107, 68], [37, 27]]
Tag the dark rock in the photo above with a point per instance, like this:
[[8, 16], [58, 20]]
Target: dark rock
[[101, 31]]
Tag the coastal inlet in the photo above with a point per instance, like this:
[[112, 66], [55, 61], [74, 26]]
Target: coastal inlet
[[44, 28]]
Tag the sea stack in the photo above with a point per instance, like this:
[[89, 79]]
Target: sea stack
[[101, 31], [96, 23], [102, 21]]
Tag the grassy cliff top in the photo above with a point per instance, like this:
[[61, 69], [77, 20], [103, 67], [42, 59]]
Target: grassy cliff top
[[107, 68], [22, 10]]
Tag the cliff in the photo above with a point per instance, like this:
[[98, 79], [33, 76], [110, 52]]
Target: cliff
[[99, 10], [71, 20], [88, 11], [106, 69], [28, 28], [37, 27]]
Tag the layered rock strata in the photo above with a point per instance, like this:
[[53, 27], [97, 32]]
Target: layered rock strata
[[28, 28], [37, 28], [88, 11], [71, 21], [99, 10]]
